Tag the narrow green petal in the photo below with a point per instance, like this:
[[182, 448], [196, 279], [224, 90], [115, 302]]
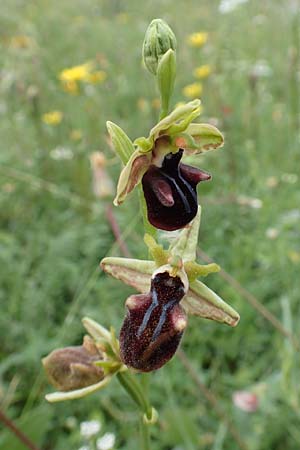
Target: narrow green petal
[[195, 270], [157, 252], [78, 393], [203, 302]]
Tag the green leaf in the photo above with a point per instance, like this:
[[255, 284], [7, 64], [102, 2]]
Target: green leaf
[[121, 142], [166, 74]]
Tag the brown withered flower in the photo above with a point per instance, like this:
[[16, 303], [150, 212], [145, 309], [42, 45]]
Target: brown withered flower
[[72, 368], [80, 370]]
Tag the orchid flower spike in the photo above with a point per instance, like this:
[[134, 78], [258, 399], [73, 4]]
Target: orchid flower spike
[[169, 186], [169, 290]]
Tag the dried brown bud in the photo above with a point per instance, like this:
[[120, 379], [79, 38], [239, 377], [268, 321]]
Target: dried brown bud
[[73, 367]]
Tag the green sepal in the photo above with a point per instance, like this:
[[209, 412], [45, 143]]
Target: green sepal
[[186, 245], [202, 301], [166, 74], [205, 137], [183, 140], [77, 393], [132, 174], [133, 272], [121, 142]]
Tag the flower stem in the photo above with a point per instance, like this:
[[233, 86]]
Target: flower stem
[[145, 435], [137, 391]]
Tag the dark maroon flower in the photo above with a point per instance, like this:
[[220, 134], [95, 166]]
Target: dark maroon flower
[[170, 192], [154, 324]]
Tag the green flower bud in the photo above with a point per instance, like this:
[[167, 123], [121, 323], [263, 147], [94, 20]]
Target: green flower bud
[[159, 38]]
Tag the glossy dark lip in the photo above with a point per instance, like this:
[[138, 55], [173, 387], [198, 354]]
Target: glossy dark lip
[[148, 337], [182, 182]]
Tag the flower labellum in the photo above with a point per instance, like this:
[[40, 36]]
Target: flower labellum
[[154, 323], [170, 192]]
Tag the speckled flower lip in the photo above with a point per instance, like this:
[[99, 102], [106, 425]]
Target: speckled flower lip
[[154, 324], [170, 192]]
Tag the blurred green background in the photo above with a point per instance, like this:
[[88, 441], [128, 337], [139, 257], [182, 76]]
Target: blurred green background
[[54, 229]]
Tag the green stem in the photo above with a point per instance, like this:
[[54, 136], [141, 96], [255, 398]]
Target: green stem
[[145, 435], [136, 392], [164, 113]]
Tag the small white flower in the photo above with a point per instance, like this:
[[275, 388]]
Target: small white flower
[[261, 69], [227, 6], [106, 442], [272, 233], [85, 447], [255, 203], [90, 428], [61, 153]]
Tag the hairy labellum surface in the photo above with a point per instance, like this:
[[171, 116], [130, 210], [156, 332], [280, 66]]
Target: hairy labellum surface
[[154, 324], [170, 192]]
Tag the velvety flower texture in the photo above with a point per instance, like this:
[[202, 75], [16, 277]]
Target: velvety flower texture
[[154, 324], [170, 192], [154, 161]]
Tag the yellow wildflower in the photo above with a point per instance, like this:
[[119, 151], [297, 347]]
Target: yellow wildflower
[[122, 17], [52, 117], [76, 135], [156, 103], [96, 77], [71, 87], [193, 90], [142, 104], [21, 41], [294, 256], [202, 71], [76, 73], [197, 39]]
